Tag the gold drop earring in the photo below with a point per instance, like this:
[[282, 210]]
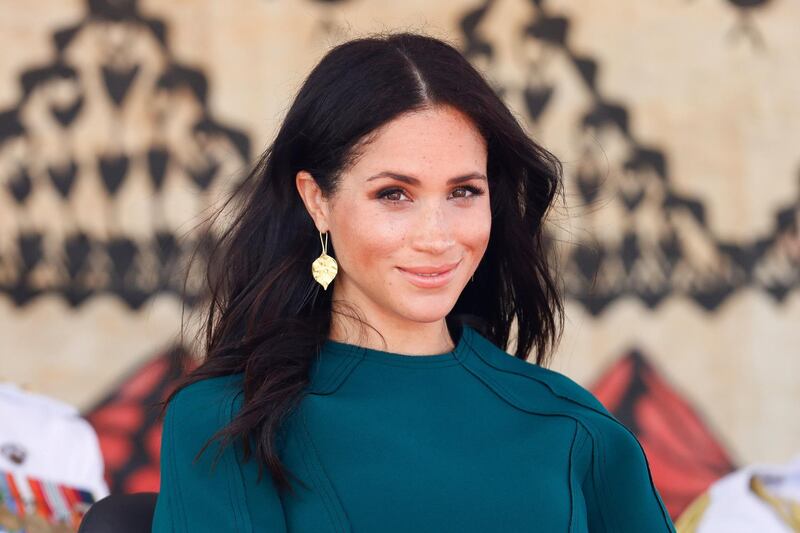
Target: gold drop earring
[[324, 267]]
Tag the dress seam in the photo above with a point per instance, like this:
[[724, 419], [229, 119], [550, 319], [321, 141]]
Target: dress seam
[[664, 513], [570, 478], [567, 416], [418, 364], [231, 502], [604, 481], [323, 496], [328, 498], [325, 387], [237, 467]]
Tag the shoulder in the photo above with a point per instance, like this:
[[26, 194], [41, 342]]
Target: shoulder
[[202, 485], [540, 390], [608, 456], [207, 391], [529, 381], [203, 407]]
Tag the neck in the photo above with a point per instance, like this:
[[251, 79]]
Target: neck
[[406, 337]]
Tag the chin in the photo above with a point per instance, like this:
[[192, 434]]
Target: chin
[[427, 309]]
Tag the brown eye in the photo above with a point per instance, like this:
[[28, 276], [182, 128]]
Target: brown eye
[[474, 191], [390, 194]]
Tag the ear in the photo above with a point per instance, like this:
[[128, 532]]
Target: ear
[[315, 202]]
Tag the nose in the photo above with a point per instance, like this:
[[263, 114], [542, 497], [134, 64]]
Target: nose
[[433, 232]]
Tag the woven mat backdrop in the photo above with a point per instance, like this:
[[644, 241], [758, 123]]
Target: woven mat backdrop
[[677, 121]]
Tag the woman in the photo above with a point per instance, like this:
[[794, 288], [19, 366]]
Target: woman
[[356, 377]]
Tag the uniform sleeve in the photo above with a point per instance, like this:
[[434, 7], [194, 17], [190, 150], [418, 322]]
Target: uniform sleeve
[[618, 488], [194, 497], [90, 464]]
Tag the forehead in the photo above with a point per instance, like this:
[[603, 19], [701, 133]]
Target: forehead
[[425, 142]]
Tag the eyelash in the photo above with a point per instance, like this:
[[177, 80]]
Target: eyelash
[[476, 191]]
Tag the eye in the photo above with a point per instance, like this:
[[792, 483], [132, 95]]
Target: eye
[[474, 191], [385, 193], [391, 194]]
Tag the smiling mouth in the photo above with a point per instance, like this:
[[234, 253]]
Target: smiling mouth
[[430, 271], [431, 276]]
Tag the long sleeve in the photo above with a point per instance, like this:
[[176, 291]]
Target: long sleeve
[[194, 497], [620, 495]]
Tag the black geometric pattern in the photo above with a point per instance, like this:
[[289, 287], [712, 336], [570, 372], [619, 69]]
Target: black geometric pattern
[[663, 245], [105, 161], [113, 73]]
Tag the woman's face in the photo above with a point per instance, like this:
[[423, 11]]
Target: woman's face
[[417, 200]]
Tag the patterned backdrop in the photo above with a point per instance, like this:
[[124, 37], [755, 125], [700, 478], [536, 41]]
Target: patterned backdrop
[[122, 122]]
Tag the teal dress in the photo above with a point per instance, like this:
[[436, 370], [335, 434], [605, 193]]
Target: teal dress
[[470, 440]]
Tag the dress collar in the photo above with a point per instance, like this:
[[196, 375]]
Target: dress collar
[[337, 359]]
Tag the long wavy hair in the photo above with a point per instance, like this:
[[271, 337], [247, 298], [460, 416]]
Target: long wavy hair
[[267, 318]]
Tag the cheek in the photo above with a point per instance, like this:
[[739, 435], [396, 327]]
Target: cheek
[[475, 230], [367, 240]]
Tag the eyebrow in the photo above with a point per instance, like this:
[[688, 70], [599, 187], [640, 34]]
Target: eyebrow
[[414, 181]]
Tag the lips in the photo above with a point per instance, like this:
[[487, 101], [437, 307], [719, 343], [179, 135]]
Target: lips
[[429, 277], [430, 269]]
